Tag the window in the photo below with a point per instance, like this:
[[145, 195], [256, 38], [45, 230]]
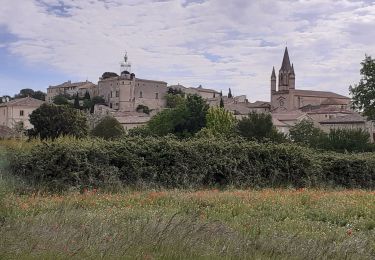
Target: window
[[21, 112], [156, 95], [111, 93], [117, 93], [140, 94], [110, 105]]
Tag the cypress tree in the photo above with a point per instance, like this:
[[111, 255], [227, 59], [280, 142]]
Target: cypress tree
[[221, 102], [76, 102], [230, 94]]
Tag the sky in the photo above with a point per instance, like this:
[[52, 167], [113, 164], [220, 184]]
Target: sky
[[214, 43]]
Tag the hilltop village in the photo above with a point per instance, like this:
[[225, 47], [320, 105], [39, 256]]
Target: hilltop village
[[133, 101]]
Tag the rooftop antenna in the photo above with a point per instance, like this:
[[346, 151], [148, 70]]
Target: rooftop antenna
[[125, 65]]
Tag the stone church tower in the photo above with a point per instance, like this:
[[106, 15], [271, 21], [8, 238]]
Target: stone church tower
[[280, 99], [287, 77]]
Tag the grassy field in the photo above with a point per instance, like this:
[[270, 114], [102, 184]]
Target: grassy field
[[175, 224]]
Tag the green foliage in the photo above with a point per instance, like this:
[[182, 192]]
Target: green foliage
[[351, 140], [363, 93], [52, 121], [61, 100], [98, 100], [107, 75], [339, 140], [173, 101], [304, 132], [76, 102], [230, 93], [108, 128], [143, 109], [165, 122], [220, 122], [87, 96], [175, 91], [192, 163], [28, 92], [259, 126], [184, 120]]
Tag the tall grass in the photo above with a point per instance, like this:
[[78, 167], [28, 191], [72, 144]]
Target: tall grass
[[264, 224]]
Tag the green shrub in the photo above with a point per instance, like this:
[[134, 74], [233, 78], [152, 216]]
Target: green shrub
[[108, 128], [196, 163]]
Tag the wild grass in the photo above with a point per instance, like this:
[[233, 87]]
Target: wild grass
[[211, 224]]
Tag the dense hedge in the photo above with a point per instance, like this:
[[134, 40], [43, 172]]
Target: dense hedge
[[170, 163]]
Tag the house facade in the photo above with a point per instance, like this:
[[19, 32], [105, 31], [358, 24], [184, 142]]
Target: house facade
[[16, 112]]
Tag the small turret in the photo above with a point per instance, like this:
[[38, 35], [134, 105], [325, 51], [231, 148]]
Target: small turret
[[273, 81]]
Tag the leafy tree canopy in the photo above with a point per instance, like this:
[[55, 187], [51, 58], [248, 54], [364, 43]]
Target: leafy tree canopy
[[61, 100], [108, 128], [52, 121], [220, 121], [107, 75], [304, 132], [363, 93], [259, 126], [28, 92], [184, 120]]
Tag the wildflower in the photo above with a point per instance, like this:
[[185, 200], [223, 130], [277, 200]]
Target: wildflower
[[349, 232]]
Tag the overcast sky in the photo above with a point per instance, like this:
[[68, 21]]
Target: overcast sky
[[218, 44]]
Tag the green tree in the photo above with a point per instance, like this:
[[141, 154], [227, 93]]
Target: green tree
[[143, 109], [221, 102], [52, 121], [76, 102], [194, 116], [87, 95], [184, 120], [61, 100], [220, 122], [107, 75], [350, 140], [304, 132], [230, 93], [173, 100], [259, 126], [108, 128], [363, 93], [28, 92], [39, 95]]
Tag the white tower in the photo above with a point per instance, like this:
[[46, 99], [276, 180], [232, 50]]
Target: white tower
[[125, 66]]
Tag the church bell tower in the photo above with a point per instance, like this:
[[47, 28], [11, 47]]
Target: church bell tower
[[287, 76]]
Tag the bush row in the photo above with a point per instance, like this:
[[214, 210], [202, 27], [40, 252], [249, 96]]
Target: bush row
[[196, 163]]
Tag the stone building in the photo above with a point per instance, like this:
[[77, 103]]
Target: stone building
[[326, 109], [126, 92], [287, 98], [205, 93], [72, 89], [16, 112]]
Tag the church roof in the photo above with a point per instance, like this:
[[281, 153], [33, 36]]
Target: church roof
[[286, 66], [314, 93], [334, 101], [348, 119]]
